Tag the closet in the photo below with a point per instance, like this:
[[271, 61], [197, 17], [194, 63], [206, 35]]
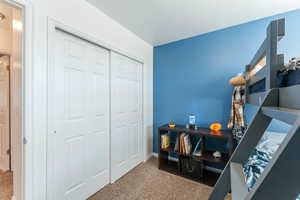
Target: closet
[[94, 119], [126, 115]]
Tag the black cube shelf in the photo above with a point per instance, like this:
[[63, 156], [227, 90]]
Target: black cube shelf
[[207, 158]]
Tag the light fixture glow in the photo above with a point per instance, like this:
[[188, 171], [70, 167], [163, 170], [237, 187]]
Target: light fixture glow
[[17, 25]]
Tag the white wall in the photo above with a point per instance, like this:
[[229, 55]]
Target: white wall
[[83, 17]]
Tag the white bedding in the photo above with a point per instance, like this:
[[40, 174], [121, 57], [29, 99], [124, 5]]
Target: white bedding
[[261, 156]]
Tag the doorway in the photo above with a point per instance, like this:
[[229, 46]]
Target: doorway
[[11, 45]]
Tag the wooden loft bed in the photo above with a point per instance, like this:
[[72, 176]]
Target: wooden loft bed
[[273, 62], [280, 179]]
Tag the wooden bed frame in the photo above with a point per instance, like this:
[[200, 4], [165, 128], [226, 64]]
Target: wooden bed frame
[[274, 62], [280, 179]]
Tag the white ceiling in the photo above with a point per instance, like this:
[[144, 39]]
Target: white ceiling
[[163, 21]]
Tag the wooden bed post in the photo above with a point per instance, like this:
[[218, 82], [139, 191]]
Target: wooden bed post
[[275, 32], [247, 70], [271, 56]]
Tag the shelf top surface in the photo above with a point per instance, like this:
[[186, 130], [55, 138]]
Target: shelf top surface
[[227, 134]]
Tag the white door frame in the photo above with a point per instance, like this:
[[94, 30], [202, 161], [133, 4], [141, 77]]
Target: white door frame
[[56, 25], [27, 159]]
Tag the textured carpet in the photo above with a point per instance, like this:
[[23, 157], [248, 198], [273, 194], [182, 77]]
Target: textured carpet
[[6, 185], [147, 182]]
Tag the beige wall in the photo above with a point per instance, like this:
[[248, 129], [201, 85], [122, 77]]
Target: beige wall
[[6, 29], [16, 102]]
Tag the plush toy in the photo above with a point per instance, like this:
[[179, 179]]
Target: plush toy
[[172, 125], [217, 154], [237, 80]]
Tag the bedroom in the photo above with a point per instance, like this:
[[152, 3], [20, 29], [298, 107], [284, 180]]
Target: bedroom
[[156, 100]]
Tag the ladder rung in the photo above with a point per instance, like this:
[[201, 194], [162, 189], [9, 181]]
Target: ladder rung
[[238, 182], [283, 114]]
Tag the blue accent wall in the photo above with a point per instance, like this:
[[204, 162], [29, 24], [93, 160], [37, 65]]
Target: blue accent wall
[[191, 75]]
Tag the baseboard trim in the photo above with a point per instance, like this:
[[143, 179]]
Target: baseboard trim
[[149, 156], [212, 169]]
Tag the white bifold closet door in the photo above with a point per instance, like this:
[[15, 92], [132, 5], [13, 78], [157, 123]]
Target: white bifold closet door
[[79, 119], [126, 115]]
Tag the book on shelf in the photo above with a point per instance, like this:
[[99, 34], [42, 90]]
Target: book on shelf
[[176, 147], [197, 150], [185, 145], [165, 141], [180, 144]]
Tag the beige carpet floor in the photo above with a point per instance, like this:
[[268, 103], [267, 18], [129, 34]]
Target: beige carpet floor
[[6, 185], [147, 182]]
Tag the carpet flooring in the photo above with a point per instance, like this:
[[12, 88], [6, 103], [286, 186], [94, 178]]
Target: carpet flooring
[[6, 185], [147, 182]]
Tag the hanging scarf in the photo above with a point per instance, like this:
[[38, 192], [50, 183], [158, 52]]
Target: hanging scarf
[[237, 115]]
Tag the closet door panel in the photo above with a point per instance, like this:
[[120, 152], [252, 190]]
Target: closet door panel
[[135, 112], [126, 116], [97, 149], [70, 119], [134, 139], [78, 150], [120, 153], [119, 130]]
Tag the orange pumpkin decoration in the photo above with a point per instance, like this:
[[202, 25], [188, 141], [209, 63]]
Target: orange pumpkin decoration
[[215, 127]]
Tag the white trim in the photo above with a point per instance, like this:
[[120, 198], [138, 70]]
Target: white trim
[[56, 25], [27, 159], [110, 110], [50, 106], [91, 39]]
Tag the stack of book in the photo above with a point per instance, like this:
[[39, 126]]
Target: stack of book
[[165, 141], [183, 144]]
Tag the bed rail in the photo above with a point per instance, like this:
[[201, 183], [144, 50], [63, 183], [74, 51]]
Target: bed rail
[[273, 61]]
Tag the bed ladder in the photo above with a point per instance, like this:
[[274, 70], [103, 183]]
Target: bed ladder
[[280, 179]]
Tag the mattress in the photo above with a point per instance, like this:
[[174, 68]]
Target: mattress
[[261, 156]]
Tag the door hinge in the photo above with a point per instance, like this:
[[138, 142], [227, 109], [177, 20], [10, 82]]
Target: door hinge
[[8, 152]]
